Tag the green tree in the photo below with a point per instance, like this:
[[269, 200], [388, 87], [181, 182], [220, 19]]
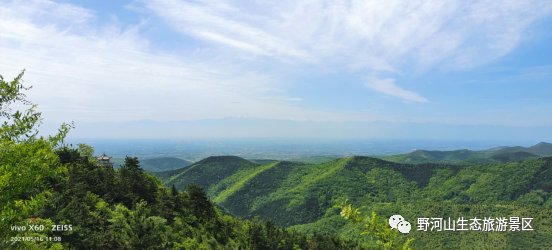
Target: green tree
[[17, 125], [199, 202], [136, 229], [28, 163], [135, 184], [384, 236], [86, 151]]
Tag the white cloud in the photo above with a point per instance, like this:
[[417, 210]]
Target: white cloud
[[388, 87], [392, 36], [83, 72], [207, 21], [461, 33]]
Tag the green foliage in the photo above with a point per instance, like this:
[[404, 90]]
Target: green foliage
[[135, 184], [140, 214], [374, 227], [164, 176], [17, 125], [106, 218], [219, 167], [200, 205], [237, 181], [86, 151], [536, 197], [28, 165], [302, 195], [137, 229]]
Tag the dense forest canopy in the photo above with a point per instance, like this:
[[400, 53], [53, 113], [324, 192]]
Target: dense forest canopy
[[304, 196]]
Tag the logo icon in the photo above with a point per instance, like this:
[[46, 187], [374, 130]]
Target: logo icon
[[398, 222]]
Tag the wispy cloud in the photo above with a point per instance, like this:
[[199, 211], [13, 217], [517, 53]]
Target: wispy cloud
[[388, 87], [461, 33], [207, 20], [391, 36], [84, 72]]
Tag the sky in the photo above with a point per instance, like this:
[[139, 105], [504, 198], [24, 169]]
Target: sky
[[372, 69]]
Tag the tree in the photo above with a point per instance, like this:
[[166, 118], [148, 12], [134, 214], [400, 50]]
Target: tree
[[383, 235], [86, 151], [135, 184], [136, 229], [199, 202], [17, 125], [28, 163]]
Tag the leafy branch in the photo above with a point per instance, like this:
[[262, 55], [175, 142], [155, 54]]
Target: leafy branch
[[385, 237]]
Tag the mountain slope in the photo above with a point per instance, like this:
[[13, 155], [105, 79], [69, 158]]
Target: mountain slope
[[232, 184], [209, 171], [427, 156], [163, 164], [541, 149], [164, 176], [295, 193], [304, 195]]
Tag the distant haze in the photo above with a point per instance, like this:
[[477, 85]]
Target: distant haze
[[266, 128], [276, 148]]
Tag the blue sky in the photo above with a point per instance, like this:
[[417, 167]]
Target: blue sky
[[430, 63]]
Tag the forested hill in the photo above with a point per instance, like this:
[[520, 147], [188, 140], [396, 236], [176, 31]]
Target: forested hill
[[304, 195], [158, 164], [210, 170], [283, 191], [464, 156]]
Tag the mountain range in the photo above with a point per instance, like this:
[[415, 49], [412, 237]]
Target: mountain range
[[505, 181], [465, 156]]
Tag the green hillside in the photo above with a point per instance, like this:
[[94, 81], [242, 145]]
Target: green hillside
[[304, 195], [464, 156], [429, 156], [166, 175], [542, 149], [159, 164], [210, 170]]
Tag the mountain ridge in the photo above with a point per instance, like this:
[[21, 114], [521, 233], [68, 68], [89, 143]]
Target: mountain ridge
[[159, 164], [220, 168], [304, 195], [462, 156]]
